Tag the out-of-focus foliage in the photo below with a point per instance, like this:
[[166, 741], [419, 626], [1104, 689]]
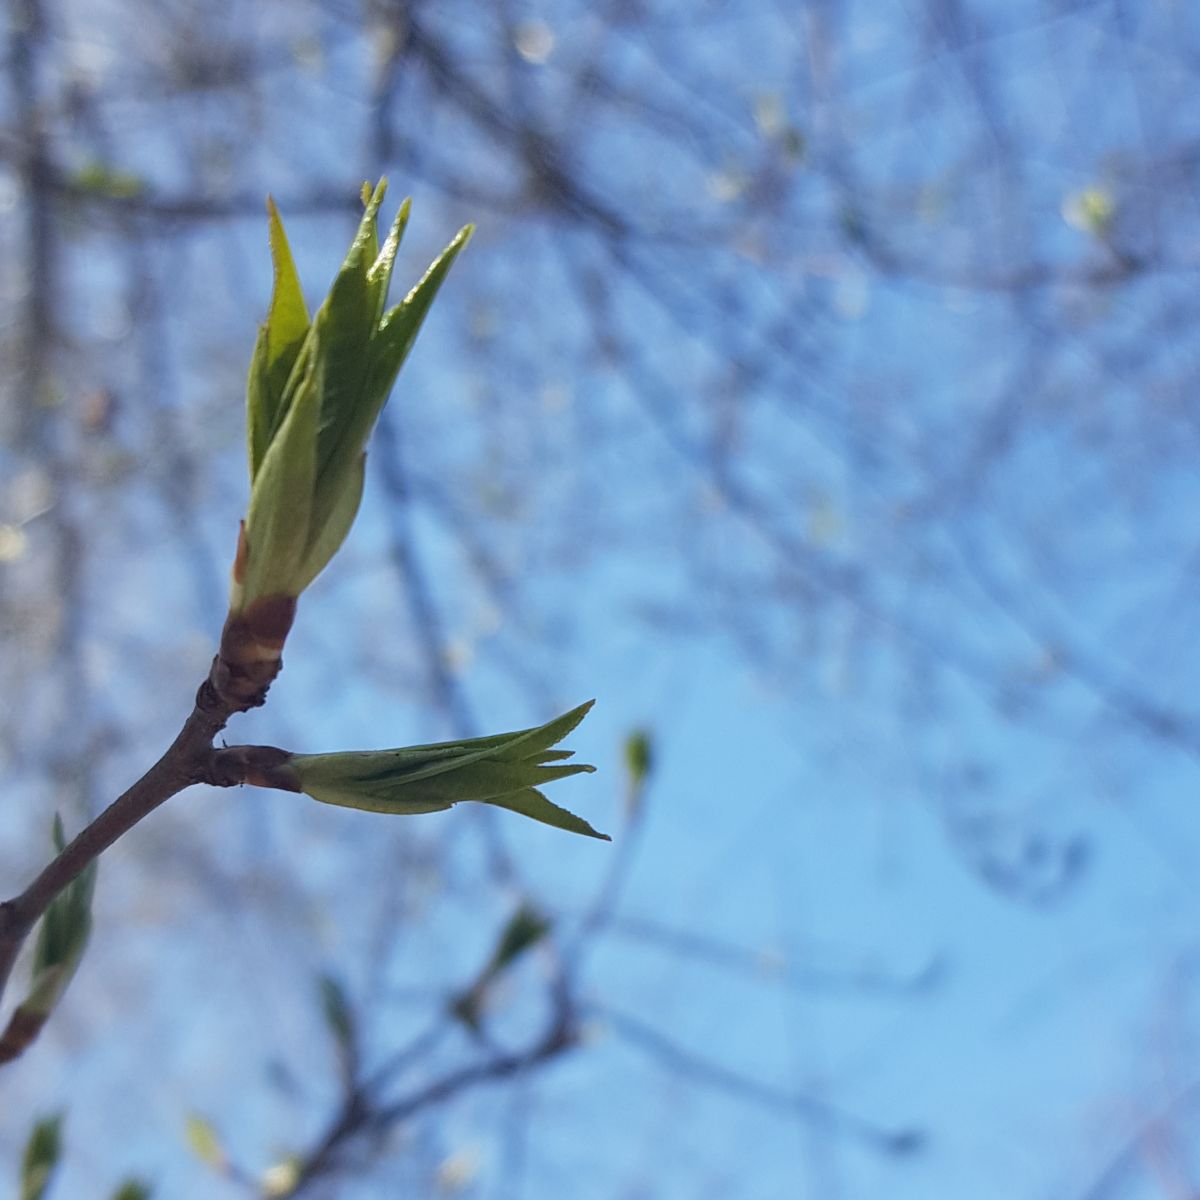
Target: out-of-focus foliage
[[42, 1153]]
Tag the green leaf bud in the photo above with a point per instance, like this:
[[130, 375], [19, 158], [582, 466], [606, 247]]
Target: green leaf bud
[[506, 770], [314, 393], [525, 929]]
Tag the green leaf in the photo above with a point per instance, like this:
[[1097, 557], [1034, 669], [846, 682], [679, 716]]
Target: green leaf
[[389, 347], [503, 769], [531, 803], [278, 347], [380, 274], [277, 524], [331, 528], [400, 325], [41, 1156], [639, 756]]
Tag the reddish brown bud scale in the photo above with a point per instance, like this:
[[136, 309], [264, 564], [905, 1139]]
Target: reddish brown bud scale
[[270, 618], [251, 652], [262, 766]]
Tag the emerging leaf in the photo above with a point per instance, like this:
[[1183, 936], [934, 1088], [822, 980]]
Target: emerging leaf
[[278, 346], [314, 393], [505, 770]]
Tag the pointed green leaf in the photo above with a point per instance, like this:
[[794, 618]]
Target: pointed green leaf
[[504, 769], [380, 273], [376, 373], [522, 741], [278, 345], [288, 321], [41, 1156], [395, 772], [331, 526], [345, 325], [277, 524], [368, 230], [343, 339], [531, 803], [400, 325]]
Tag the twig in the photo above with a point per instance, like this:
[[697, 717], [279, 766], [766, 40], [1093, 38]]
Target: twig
[[189, 759]]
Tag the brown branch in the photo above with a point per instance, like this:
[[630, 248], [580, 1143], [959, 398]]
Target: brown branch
[[189, 759], [359, 1116]]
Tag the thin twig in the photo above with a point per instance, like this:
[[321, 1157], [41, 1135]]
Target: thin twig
[[189, 759]]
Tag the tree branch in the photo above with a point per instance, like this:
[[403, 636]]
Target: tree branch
[[189, 759]]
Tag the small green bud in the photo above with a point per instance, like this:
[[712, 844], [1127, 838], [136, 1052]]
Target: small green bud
[[1091, 210], [524, 930], [205, 1142], [639, 756], [339, 1016], [506, 770], [639, 762]]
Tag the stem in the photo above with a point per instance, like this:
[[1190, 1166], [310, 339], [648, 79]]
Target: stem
[[189, 759]]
